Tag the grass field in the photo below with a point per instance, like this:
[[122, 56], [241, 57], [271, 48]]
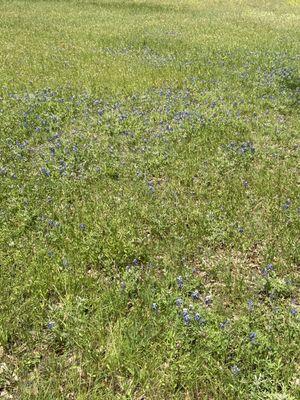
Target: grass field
[[149, 202]]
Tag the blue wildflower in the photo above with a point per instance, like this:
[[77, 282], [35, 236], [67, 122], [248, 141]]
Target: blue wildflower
[[253, 337], [65, 262], [53, 224], [195, 295], [45, 171], [208, 300], [197, 317], [154, 307], [269, 268], [179, 302], [235, 370], [223, 324], [186, 319], [151, 186], [51, 325], [180, 282], [82, 227], [250, 305], [135, 262], [123, 285], [294, 312], [287, 204]]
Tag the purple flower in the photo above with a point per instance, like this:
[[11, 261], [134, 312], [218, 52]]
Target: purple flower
[[50, 325], [287, 204], [45, 171], [186, 319], [65, 262], [197, 317], [195, 295], [223, 324], [123, 285], [208, 300], [235, 370], [269, 268], [151, 186], [179, 302], [53, 224], [154, 307], [253, 337], [294, 312], [180, 282], [250, 305]]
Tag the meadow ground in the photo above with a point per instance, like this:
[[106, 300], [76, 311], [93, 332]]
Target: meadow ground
[[149, 202]]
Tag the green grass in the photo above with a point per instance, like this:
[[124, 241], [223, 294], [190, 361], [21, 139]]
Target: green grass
[[140, 142]]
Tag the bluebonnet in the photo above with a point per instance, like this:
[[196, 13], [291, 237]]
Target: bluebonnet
[[179, 302], [123, 285], [224, 324], [195, 295], [235, 369], [82, 227], [253, 337], [287, 204], [62, 167], [269, 268], [245, 184], [197, 317], [51, 325], [151, 186], [250, 305], [45, 171], [180, 282], [186, 318], [154, 306], [65, 262], [247, 147], [294, 312], [135, 262], [241, 229], [53, 224], [208, 300]]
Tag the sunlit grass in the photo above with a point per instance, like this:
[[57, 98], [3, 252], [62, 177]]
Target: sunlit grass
[[149, 203]]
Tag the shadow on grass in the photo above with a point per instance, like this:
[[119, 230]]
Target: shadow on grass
[[293, 85]]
